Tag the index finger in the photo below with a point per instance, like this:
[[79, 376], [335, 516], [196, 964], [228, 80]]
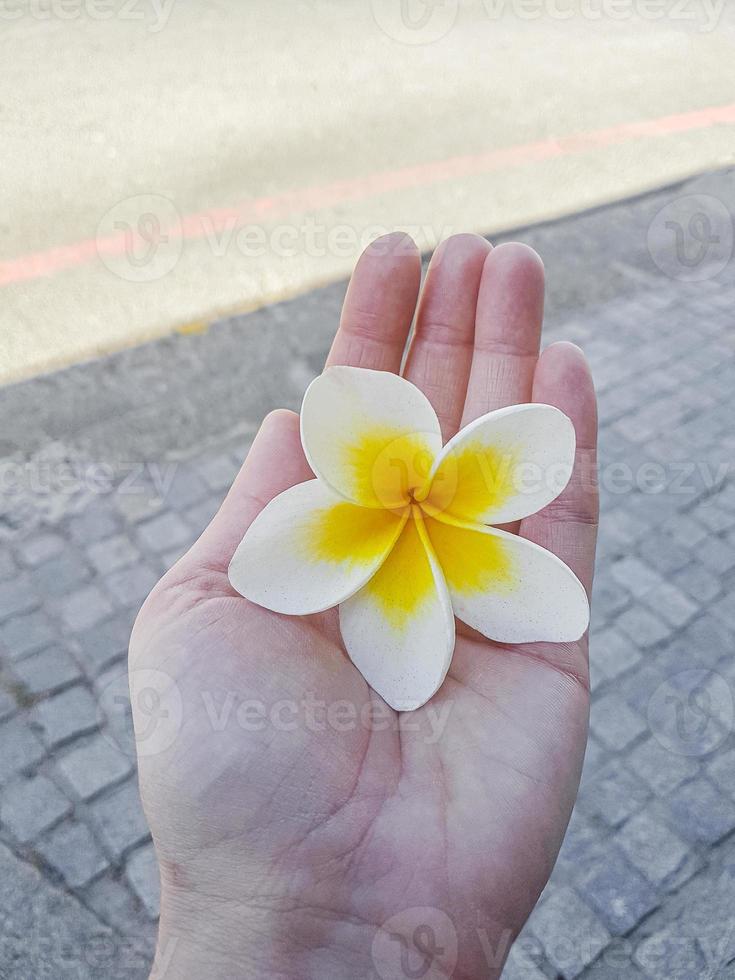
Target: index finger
[[379, 305]]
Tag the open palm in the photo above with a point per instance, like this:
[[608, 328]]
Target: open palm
[[303, 828]]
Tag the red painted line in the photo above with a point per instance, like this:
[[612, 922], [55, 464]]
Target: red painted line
[[201, 224]]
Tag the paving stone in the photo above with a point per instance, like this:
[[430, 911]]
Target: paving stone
[[7, 704], [113, 693], [23, 635], [20, 747], [615, 964], [671, 604], [16, 596], [660, 769], [725, 610], [218, 471], [164, 532], [138, 506], [721, 770], [142, 873], [612, 653], [608, 598], [714, 518], [92, 767], [635, 576], [114, 903], [613, 794], [66, 715], [40, 547], [615, 723], [594, 757], [707, 916], [520, 966], [113, 553], [718, 556], [618, 892], [645, 629], [119, 821], [571, 934], [670, 954], [639, 686], [580, 843], [624, 530], [8, 568], [47, 671], [60, 575], [187, 488], [700, 583], [709, 639], [651, 847], [198, 517], [130, 586], [169, 558], [685, 531], [94, 523], [700, 812], [49, 935], [72, 851], [664, 554], [98, 647], [85, 608], [30, 806]]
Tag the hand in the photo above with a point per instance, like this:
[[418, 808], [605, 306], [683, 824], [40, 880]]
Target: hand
[[294, 813]]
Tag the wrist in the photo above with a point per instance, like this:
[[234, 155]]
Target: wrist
[[223, 940]]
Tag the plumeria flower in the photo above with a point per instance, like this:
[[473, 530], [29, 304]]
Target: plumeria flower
[[396, 530]]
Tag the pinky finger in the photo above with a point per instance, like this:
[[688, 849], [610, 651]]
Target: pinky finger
[[568, 525]]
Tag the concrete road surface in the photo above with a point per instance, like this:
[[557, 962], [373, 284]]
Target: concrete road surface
[[163, 162]]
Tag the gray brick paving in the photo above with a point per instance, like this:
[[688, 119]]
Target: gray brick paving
[[130, 586], [84, 608], [98, 647], [65, 716], [570, 932], [619, 893], [142, 873], [71, 850], [118, 820], [24, 634], [8, 567], [112, 554], [22, 748], [47, 671], [651, 847], [48, 934], [30, 806], [92, 767], [16, 596], [644, 882]]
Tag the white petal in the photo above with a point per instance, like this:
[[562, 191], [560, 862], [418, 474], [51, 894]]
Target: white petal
[[370, 435], [507, 588], [399, 628], [308, 550], [505, 465]]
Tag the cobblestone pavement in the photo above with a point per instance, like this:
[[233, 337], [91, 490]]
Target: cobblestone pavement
[[645, 883]]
